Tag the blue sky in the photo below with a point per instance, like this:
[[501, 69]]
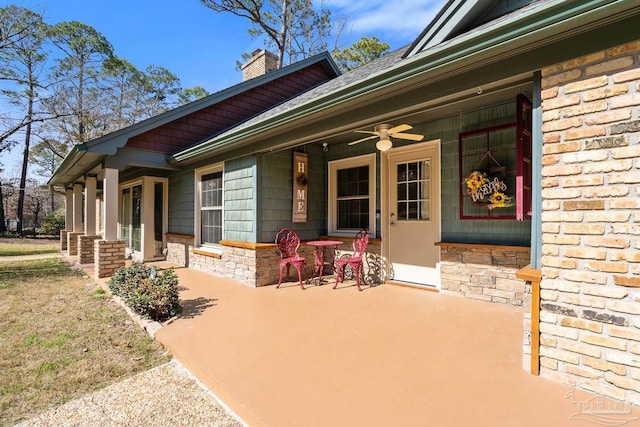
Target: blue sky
[[201, 46]]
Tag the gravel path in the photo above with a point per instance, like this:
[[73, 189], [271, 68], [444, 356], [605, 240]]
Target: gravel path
[[167, 395]]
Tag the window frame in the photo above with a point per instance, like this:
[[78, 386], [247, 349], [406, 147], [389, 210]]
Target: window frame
[[215, 248], [332, 215]]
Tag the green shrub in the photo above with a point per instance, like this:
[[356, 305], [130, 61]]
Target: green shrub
[[52, 224], [146, 292]]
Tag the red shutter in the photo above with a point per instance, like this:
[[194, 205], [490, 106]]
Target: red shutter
[[523, 158]]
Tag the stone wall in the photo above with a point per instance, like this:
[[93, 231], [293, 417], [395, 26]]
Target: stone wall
[[254, 265], [179, 247], [590, 296], [109, 255], [251, 266], [484, 272]]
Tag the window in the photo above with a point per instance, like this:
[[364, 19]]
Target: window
[[352, 195], [209, 206], [413, 198], [495, 169]]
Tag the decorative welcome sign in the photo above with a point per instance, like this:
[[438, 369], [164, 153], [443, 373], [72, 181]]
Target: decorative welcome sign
[[487, 191], [300, 173]]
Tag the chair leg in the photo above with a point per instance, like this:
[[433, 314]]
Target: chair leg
[[358, 268], [299, 267], [280, 278], [339, 273]]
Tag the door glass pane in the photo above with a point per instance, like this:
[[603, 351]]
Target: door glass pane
[[125, 217], [136, 217], [158, 211], [413, 193]]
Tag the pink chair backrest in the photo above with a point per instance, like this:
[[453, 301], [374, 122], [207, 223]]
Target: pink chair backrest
[[288, 242], [360, 243]]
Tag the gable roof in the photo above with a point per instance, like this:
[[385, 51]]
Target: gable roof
[[82, 158], [460, 16], [513, 45]]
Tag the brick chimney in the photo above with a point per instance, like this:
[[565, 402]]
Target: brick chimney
[[261, 62]]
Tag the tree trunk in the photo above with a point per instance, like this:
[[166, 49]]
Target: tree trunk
[[25, 163], [3, 223], [283, 32]]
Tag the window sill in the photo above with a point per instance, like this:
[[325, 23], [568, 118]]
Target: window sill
[[210, 252]]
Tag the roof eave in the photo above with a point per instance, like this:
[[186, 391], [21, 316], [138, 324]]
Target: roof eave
[[534, 28], [75, 154], [110, 143]]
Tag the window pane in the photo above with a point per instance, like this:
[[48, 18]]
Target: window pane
[[402, 173], [425, 210], [402, 191], [402, 210], [413, 210], [413, 196], [211, 227], [353, 182], [211, 188], [353, 214], [412, 170], [413, 191]]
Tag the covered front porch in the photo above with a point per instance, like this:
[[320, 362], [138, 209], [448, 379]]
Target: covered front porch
[[389, 355]]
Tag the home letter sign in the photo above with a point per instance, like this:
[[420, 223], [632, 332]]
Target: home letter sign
[[300, 173]]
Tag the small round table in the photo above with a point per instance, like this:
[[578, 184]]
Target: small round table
[[319, 247]]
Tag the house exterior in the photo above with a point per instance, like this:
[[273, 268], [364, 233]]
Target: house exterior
[[522, 191]]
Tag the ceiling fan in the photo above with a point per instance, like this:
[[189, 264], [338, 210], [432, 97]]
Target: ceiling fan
[[385, 133]]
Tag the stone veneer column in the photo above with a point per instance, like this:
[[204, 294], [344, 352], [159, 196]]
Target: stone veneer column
[[590, 287], [86, 248], [109, 256], [72, 242], [63, 240]]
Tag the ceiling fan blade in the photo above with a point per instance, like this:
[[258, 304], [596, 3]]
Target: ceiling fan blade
[[367, 131], [399, 128], [410, 136], [363, 139]]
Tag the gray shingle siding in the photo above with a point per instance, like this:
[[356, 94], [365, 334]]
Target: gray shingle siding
[[181, 203], [501, 232], [240, 199], [276, 195]]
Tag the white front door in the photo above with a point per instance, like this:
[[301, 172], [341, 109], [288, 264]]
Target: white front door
[[413, 214]]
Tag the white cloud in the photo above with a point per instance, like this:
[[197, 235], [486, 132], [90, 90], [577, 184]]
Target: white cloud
[[397, 22]]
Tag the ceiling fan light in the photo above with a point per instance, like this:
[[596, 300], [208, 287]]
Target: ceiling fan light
[[383, 144]]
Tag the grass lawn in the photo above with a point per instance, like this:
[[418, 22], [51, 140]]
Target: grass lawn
[[61, 336], [13, 247]]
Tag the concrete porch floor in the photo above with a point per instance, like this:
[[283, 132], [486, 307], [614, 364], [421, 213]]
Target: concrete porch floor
[[386, 356]]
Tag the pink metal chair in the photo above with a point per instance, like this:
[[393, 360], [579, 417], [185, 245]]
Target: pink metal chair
[[355, 260], [288, 242]]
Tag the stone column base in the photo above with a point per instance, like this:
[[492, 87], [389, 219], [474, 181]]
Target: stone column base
[[72, 242], [86, 249], [63, 240], [109, 255]]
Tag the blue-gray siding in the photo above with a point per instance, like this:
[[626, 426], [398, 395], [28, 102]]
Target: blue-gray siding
[[240, 199], [181, 203], [276, 195], [503, 232]]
